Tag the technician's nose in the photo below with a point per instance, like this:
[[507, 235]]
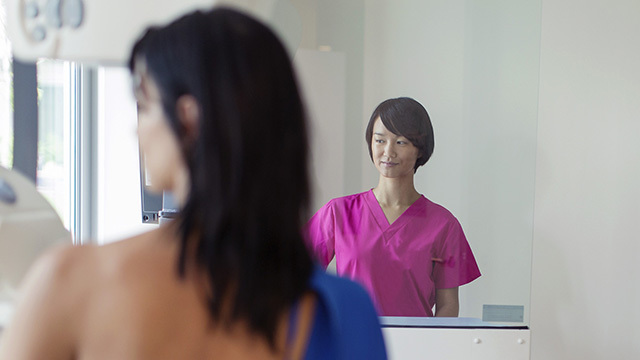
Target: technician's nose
[[389, 150]]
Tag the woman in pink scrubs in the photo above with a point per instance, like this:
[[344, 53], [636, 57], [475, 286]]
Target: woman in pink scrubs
[[410, 253]]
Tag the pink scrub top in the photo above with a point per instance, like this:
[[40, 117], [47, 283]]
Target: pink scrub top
[[400, 264]]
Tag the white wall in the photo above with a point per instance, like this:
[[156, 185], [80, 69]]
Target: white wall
[[586, 276], [321, 75]]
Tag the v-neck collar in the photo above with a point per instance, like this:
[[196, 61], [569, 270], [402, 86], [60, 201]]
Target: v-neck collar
[[381, 219]]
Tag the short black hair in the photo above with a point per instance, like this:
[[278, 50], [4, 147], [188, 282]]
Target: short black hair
[[406, 117], [249, 186]]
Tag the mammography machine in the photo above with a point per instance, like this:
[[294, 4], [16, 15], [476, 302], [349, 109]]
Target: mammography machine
[[28, 225]]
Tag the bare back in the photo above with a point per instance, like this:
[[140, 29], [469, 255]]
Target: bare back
[[125, 301]]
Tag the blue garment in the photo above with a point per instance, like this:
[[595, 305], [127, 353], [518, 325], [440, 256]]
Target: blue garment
[[346, 324]]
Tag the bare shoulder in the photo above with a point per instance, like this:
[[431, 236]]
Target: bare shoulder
[[77, 268], [59, 265], [57, 276], [136, 258], [51, 292], [56, 297]]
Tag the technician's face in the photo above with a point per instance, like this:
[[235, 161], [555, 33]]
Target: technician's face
[[158, 142], [393, 155]]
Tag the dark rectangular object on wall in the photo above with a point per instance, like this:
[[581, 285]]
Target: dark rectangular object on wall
[[25, 118]]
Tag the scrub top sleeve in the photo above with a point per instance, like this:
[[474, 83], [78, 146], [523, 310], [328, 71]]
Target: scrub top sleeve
[[319, 234], [454, 264]]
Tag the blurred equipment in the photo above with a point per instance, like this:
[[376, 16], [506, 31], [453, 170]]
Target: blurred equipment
[[103, 32], [28, 226]]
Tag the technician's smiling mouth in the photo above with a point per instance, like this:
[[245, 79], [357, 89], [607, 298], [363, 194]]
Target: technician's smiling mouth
[[388, 163]]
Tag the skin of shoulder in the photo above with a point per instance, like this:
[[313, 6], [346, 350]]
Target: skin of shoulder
[[50, 307], [56, 308], [123, 300]]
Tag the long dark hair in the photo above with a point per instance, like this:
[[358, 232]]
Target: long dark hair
[[406, 117], [249, 189]]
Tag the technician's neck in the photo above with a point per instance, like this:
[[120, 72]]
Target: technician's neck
[[396, 191]]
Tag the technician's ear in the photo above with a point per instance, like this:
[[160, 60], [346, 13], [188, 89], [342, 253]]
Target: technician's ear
[[188, 111]]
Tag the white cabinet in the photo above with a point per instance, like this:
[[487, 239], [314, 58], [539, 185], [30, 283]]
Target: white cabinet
[[454, 344], [454, 339]]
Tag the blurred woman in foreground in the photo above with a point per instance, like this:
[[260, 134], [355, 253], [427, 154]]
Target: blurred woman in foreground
[[222, 127]]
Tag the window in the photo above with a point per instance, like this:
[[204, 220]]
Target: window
[[87, 165], [57, 96]]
